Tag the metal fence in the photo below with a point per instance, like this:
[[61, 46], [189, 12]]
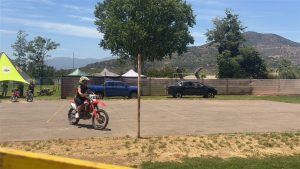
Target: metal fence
[[52, 84]]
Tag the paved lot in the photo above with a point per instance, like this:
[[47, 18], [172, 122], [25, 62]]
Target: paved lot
[[48, 119]]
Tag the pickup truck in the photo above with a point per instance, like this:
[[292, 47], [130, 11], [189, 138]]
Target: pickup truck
[[191, 88], [114, 88]]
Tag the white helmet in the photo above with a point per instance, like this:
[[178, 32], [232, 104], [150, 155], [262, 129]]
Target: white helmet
[[83, 78]]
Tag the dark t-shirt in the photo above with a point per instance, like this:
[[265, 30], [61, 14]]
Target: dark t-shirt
[[31, 87], [83, 90]]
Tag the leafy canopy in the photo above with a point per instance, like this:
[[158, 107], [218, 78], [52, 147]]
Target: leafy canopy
[[287, 70], [228, 33], [19, 48], [233, 61], [152, 28], [37, 51]]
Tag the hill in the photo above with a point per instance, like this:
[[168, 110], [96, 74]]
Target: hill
[[272, 48], [67, 62]]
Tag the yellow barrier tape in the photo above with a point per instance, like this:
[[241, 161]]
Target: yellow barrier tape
[[15, 159]]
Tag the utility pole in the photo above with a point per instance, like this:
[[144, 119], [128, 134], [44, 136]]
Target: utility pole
[[139, 96]]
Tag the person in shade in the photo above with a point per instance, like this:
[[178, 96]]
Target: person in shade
[[4, 89]]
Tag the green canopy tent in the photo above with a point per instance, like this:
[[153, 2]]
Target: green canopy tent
[[8, 71], [78, 72], [106, 73]]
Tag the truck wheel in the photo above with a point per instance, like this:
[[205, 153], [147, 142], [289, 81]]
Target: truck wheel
[[209, 95], [132, 95], [178, 95]]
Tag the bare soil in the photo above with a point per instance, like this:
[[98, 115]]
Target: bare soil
[[131, 151]]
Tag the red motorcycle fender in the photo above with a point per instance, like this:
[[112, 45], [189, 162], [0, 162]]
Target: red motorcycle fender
[[98, 102]]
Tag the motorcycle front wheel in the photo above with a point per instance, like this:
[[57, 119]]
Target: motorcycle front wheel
[[71, 117], [100, 120]]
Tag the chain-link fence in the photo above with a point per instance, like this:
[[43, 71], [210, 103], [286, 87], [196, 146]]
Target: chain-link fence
[[42, 86]]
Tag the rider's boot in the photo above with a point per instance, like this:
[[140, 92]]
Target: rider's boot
[[79, 111]]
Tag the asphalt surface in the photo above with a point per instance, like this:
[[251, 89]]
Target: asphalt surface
[[48, 119]]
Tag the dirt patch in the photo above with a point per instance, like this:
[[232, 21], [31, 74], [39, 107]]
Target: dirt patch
[[131, 151]]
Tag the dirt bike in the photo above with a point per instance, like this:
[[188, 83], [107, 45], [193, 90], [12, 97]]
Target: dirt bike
[[99, 116], [29, 96], [15, 95], [45, 92]]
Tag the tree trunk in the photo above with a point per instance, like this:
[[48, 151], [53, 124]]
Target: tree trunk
[[139, 96]]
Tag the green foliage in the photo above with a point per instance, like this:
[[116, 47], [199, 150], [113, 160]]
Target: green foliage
[[152, 28], [287, 70], [274, 162], [37, 51], [228, 66], [228, 33], [251, 64], [165, 72], [30, 56], [233, 61], [19, 48]]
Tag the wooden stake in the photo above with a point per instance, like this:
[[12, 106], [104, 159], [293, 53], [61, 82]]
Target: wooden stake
[[139, 96]]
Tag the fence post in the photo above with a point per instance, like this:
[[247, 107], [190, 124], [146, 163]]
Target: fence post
[[278, 87], [150, 86], [250, 86], [227, 86]]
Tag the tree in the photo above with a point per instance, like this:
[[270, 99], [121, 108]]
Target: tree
[[19, 47], [144, 30], [37, 53], [228, 65], [287, 70], [228, 33], [251, 64], [234, 61]]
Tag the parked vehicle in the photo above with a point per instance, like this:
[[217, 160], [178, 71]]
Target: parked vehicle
[[29, 96], [15, 95], [114, 88], [45, 92], [191, 88], [98, 115]]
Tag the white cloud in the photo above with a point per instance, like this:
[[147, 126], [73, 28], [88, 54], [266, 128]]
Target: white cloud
[[61, 28], [82, 18], [198, 34], [47, 2], [77, 8], [7, 32]]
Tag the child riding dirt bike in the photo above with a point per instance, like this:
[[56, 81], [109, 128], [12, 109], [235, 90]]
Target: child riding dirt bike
[[81, 94], [86, 106]]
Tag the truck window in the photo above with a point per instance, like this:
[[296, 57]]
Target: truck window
[[109, 84], [119, 84]]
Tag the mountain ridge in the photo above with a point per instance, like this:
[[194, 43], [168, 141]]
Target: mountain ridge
[[272, 48]]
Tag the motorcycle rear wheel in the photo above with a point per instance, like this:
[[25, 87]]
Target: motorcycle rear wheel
[[71, 117], [29, 98], [14, 98], [100, 122]]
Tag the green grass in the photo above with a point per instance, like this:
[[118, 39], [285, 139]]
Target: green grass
[[55, 96], [286, 99], [272, 162]]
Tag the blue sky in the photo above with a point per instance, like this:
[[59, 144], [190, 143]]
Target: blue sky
[[71, 22]]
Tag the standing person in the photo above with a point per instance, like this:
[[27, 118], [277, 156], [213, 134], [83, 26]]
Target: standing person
[[4, 89], [31, 87]]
